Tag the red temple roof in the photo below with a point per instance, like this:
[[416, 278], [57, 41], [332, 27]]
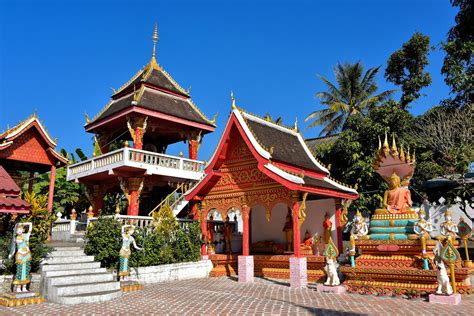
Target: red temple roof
[[9, 191], [282, 155], [30, 142]]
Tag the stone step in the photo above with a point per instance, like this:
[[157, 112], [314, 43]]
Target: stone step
[[88, 298], [69, 266], [66, 248], [69, 259], [66, 253], [80, 279], [84, 288], [54, 273]]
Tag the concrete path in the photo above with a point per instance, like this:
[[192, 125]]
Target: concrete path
[[226, 296]]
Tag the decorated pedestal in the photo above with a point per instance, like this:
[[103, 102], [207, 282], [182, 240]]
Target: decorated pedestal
[[22, 298], [130, 286]]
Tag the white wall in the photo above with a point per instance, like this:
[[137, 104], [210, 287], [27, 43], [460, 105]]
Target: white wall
[[273, 230], [435, 214]]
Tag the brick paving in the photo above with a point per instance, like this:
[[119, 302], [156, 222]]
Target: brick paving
[[226, 296]]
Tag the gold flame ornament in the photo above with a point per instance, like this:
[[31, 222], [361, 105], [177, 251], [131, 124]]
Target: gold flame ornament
[[331, 251], [450, 255]]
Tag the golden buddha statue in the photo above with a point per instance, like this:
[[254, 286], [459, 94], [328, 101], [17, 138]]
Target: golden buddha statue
[[397, 199], [448, 227]]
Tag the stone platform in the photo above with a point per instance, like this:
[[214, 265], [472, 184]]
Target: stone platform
[[268, 266], [396, 267], [454, 299], [338, 289]]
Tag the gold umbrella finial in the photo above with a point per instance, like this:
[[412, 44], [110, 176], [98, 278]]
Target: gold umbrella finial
[[155, 39]]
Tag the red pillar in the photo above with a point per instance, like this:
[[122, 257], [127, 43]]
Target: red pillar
[[204, 234], [296, 230], [52, 176], [193, 149], [138, 139], [134, 190], [339, 225], [245, 237]]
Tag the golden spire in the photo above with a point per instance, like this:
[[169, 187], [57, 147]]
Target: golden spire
[[394, 144], [407, 158], [233, 100], [402, 153], [155, 39], [385, 142], [380, 142]]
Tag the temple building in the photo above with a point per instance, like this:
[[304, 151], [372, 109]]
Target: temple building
[[152, 112], [27, 148], [266, 173]]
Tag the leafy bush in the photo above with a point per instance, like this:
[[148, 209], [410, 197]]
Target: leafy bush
[[103, 241], [160, 246]]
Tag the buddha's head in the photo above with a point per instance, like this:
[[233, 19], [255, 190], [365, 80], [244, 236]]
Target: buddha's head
[[394, 181]]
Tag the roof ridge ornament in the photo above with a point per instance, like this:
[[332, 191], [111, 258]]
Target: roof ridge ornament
[[233, 100]]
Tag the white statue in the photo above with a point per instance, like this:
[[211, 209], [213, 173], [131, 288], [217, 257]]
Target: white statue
[[448, 227], [359, 226], [331, 272], [444, 286], [125, 251]]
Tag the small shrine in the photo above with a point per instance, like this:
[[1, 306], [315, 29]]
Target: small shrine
[[133, 131], [265, 174], [27, 147], [395, 252]]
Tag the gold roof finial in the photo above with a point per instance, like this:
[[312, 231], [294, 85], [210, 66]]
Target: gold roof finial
[[402, 153], [155, 39], [413, 157], [233, 100], [295, 128], [407, 157]]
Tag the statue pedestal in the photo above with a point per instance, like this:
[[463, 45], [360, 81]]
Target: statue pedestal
[[337, 289], [20, 298], [453, 299], [298, 272], [246, 273], [129, 286]]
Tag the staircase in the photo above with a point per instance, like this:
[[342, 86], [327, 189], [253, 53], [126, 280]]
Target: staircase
[[68, 276], [175, 200]]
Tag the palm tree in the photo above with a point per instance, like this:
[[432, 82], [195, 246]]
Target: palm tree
[[353, 93]]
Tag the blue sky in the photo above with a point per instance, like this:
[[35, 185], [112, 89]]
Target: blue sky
[[60, 58]]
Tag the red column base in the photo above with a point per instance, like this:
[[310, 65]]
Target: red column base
[[298, 272], [246, 266]]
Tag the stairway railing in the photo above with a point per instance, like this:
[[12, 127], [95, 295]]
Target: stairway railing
[[171, 198]]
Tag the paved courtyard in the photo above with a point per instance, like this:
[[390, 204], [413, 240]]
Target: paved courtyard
[[226, 296]]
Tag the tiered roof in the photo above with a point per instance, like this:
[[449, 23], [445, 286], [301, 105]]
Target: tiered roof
[[152, 88]]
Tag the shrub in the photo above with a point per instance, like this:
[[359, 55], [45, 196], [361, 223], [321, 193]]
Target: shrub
[[103, 241]]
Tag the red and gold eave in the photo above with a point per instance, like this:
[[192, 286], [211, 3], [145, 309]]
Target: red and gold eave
[[213, 174]]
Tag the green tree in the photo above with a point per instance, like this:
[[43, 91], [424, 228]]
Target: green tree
[[459, 47], [353, 92], [406, 68], [351, 156]]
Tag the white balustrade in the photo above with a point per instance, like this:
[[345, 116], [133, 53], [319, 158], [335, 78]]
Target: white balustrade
[[155, 162]]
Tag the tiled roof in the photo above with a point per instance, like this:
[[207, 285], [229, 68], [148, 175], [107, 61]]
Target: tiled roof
[[7, 184]]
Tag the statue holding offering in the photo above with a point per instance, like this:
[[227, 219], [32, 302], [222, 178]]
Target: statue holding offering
[[20, 243], [125, 251]]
